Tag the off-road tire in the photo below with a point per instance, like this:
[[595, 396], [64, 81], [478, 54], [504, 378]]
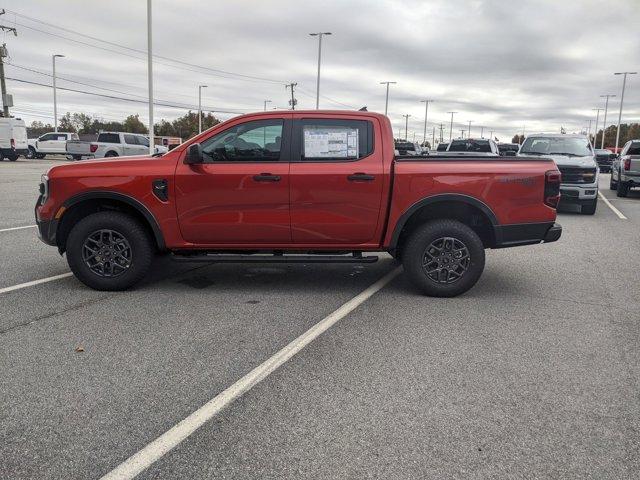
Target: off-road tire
[[141, 249], [415, 252]]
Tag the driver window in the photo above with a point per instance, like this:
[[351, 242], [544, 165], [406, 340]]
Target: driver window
[[258, 141]]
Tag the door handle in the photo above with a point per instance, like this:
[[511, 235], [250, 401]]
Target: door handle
[[266, 177], [361, 177]]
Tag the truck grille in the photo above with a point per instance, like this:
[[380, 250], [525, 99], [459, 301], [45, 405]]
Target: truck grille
[[577, 175]]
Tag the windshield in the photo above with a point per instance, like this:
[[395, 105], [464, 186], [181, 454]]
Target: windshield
[[569, 146], [470, 146]]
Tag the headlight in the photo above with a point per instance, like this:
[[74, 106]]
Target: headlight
[[44, 188]]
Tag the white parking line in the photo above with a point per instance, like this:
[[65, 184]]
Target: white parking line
[[614, 209], [17, 228], [34, 282], [155, 450]]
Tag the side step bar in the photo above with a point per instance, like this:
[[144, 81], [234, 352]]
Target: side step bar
[[270, 258]]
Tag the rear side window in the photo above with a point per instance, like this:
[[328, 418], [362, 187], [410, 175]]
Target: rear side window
[[333, 139], [109, 138], [634, 149]]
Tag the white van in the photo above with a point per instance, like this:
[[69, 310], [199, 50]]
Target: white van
[[13, 138]]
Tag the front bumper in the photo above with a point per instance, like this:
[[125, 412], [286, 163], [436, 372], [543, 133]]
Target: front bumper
[[571, 193], [46, 228], [526, 234]]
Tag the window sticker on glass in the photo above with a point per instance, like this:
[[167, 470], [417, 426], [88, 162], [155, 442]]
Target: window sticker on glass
[[330, 142]]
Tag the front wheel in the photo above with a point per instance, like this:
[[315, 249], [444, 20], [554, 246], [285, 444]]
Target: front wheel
[[109, 251], [443, 258], [589, 208], [31, 153]]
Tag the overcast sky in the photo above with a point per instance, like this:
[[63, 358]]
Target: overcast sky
[[503, 64]]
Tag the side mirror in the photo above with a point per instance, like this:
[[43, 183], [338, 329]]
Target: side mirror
[[194, 155]]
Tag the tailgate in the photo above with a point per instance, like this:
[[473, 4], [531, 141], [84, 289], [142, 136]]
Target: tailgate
[[634, 164], [77, 147]]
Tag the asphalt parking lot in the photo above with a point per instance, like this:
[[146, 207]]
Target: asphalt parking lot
[[534, 373]]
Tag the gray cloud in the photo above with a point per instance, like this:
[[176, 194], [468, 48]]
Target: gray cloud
[[503, 64]]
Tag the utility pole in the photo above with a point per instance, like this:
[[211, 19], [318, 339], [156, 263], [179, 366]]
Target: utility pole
[[595, 130], [451, 126], [433, 137], [426, 111], [406, 125], [386, 101], [200, 87], [462, 133], [293, 100], [606, 107], [469, 136], [319, 35], [265, 104], [491, 135], [150, 75], [481, 132], [624, 84], [441, 132], [4, 53]]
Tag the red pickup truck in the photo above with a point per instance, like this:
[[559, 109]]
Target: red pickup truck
[[303, 186]]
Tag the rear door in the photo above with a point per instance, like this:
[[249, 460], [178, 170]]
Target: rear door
[[337, 179], [130, 145], [240, 195]]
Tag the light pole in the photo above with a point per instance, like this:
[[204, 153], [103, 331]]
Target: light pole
[[426, 112], [606, 108], [451, 126], [491, 135], [386, 102], [200, 87], [55, 101], [469, 135], [595, 130], [265, 104], [624, 83], [406, 126], [481, 131], [319, 35], [150, 75]]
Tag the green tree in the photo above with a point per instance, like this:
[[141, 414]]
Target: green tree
[[132, 124], [38, 128], [66, 123]]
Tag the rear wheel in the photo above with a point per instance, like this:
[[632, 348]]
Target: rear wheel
[[12, 157], [623, 189], [77, 157], [590, 208], [109, 251], [111, 154], [443, 258]]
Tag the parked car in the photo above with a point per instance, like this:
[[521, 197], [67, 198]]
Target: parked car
[[604, 159], [442, 147], [13, 138], [112, 144], [303, 186], [408, 148], [52, 143], [575, 159], [508, 149], [625, 171], [473, 146]]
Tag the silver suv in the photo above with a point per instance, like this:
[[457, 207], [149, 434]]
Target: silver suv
[[576, 161], [625, 171]]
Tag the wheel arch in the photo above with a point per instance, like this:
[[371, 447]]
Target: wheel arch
[[83, 204], [467, 209]]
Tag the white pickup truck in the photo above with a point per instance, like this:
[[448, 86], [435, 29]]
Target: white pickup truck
[[112, 144], [52, 143]]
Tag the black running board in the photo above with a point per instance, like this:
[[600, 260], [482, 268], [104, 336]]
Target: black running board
[[269, 258]]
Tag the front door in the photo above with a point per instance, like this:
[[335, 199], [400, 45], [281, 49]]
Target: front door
[[130, 145], [240, 195], [337, 178]]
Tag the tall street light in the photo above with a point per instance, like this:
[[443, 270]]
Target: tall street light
[[624, 83], [606, 107], [150, 76], [406, 126], [265, 104], [319, 35], [451, 126], [386, 102], [595, 130], [55, 102], [426, 111], [469, 134], [481, 131], [200, 87]]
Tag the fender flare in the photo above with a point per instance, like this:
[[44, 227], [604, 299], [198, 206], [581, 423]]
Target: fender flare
[[132, 202], [444, 197]]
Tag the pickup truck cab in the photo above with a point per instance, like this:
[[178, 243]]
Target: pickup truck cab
[[625, 170], [112, 144], [576, 161], [303, 186], [482, 147], [52, 143]]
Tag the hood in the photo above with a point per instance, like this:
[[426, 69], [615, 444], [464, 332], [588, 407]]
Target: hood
[[578, 162]]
